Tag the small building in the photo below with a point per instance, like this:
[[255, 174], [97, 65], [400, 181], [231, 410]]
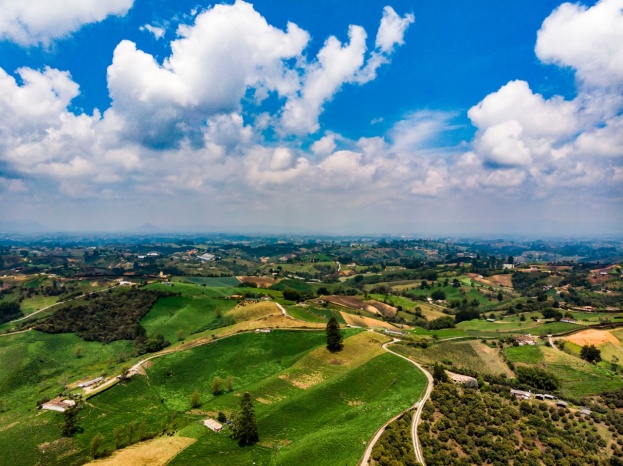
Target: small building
[[467, 381], [90, 382], [569, 321], [394, 332], [212, 425], [262, 330], [490, 320], [526, 340], [562, 404], [58, 404], [585, 411], [521, 395], [543, 397], [508, 266]]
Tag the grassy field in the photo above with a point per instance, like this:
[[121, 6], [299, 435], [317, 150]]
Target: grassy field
[[579, 378], [472, 355], [190, 314], [309, 403], [37, 365], [213, 282], [524, 354]]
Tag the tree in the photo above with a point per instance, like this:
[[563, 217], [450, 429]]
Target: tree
[[70, 420], [217, 385], [590, 353], [438, 295], [500, 297], [291, 295], [117, 433], [180, 335], [335, 341], [195, 399], [245, 424], [439, 374], [96, 443]]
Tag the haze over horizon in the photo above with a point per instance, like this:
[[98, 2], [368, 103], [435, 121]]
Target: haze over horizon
[[332, 117]]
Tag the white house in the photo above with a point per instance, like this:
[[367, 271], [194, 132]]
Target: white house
[[58, 404], [213, 425]]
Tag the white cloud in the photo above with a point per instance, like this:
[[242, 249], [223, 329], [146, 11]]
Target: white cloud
[[337, 64], [169, 101], [324, 145], [156, 31], [392, 29], [590, 40], [41, 21]]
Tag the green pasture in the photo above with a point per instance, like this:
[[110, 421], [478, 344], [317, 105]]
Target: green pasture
[[216, 282], [190, 314], [524, 354]]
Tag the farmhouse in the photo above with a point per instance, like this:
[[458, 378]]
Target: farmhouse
[[465, 380], [213, 425], [521, 395], [562, 404], [508, 266], [58, 404], [90, 382], [526, 340]]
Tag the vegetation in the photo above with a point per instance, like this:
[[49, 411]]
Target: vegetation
[[474, 427], [537, 378], [244, 428], [590, 353], [335, 341], [9, 310], [104, 318], [395, 446]]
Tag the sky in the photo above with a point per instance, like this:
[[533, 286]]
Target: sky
[[333, 116]]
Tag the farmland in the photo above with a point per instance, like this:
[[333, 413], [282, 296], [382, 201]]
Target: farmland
[[204, 326]]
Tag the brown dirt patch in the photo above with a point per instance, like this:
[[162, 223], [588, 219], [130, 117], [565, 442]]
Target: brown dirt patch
[[156, 452], [372, 306], [261, 282], [360, 321], [592, 337]]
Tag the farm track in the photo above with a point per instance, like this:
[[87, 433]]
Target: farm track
[[418, 406]]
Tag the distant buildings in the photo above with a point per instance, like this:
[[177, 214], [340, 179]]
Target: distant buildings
[[207, 257], [521, 395]]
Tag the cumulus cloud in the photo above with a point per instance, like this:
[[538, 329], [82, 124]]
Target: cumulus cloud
[[41, 21], [164, 103], [337, 64], [392, 29], [589, 40]]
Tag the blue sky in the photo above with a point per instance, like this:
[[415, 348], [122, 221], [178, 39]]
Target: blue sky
[[330, 116]]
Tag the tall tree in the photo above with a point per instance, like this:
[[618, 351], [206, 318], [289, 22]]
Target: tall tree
[[335, 341], [245, 424], [70, 420]]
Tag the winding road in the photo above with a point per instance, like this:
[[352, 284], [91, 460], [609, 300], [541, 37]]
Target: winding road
[[419, 406]]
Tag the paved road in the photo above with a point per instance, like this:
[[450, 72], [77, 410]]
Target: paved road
[[419, 406]]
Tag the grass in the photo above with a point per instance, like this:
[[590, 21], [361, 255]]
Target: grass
[[309, 402], [524, 354], [304, 314], [462, 354], [579, 378], [214, 282], [190, 314], [36, 365]]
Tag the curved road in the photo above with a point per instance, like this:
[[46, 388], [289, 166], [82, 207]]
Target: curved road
[[419, 406]]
